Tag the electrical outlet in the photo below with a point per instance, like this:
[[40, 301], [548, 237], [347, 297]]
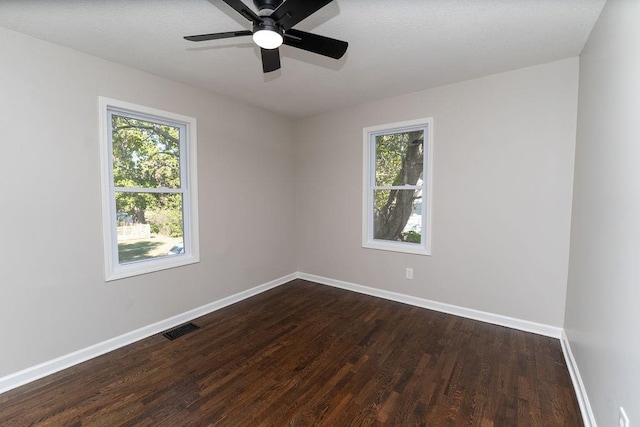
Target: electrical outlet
[[623, 420], [408, 273]]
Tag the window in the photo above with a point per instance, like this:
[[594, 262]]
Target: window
[[396, 201], [149, 187]]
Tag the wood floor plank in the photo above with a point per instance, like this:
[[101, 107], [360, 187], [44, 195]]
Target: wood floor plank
[[305, 354]]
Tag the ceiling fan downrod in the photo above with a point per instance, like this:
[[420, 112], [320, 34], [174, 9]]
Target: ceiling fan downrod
[[266, 7]]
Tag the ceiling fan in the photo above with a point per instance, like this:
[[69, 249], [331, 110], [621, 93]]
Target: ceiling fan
[[272, 28]]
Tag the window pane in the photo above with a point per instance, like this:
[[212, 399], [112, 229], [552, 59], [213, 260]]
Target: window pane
[[399, 158], [149, 225], [397, 215], [145, 154]]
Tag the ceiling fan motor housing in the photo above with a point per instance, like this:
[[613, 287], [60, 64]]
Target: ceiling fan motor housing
[[269, 25]]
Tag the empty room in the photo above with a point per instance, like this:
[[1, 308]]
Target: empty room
[[320, 212]]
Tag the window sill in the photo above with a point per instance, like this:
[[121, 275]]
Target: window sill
[[407, 248], [150, 266]]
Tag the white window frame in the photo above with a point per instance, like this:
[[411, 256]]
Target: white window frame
[[368, 187], [189, 189]]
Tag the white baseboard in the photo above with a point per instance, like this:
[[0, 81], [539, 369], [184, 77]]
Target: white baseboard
[[581, 393], [497, 319], [33, 373], [47, 368]]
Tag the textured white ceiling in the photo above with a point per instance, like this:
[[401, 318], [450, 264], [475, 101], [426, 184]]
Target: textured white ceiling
[[395, 46]]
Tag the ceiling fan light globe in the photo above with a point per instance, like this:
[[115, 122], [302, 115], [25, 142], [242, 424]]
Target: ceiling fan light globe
[[267, 39]]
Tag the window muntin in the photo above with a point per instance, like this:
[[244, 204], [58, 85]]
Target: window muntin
[[149, 189], [396, 195]]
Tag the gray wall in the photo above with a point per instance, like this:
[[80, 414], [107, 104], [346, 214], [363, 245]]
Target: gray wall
[[503, 175], [54, 298], [503, 185], [603, 296]]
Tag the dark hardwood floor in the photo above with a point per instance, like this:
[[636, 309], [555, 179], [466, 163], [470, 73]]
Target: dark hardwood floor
[[305, 354]]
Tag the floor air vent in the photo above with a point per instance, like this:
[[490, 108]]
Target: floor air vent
[[179, 331]]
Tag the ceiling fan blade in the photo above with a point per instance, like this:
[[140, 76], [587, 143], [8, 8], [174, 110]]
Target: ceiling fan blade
[[216, 36], [243, 10], [293, 11], [314, 43], [270, 59]]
